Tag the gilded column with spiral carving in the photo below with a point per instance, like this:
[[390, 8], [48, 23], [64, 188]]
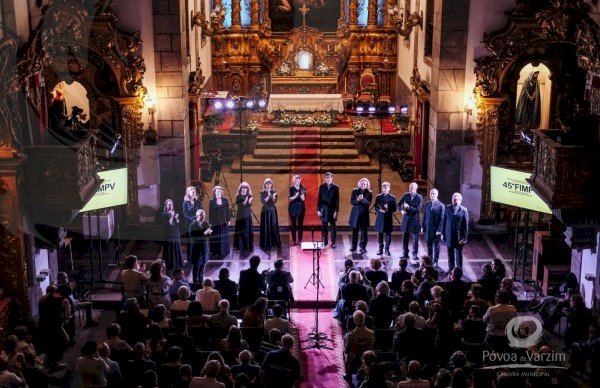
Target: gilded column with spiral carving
[[387, 23], [132, 134], [255, 15], [236, 14], [487, 141], [372, 18], [353, 12]]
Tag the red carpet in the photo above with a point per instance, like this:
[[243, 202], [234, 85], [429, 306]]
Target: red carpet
[[301, 269], [303, 137], [320, 367]]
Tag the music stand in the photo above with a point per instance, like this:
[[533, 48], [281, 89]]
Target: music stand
[[315, 337]]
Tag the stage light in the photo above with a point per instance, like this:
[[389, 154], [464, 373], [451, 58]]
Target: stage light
[[262, 103], [404, 109], [218, 105], [250, 104], [372, 109], [360, 109], [230, 104], [391, 109]]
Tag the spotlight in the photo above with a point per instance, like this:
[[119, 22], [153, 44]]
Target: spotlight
[[360, 109], [262, 103], [230, 104], [249, 103], [404, 109], [391, 109], [218, 105], [372, 109]]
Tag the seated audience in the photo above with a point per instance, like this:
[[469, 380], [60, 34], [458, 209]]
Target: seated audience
[[507, 284], [158, 285], [132, 322], [382, 306], [456, 292], [410, 342], [406, 296], [177, 283], [415, 309], [283, 325], [113, 376], [168, 372], [195, 316], [497, 317], [281, 369], [413, 377], [279, 283], [91, 370], [400, 276], [134, 369], [247, 367], [351, 292], [273, 341], [255, 314], [180, 340], [252, 283], [475, 299], [375, 274], [209, 379], [357, 341], [159, 315], [232, 345], [208, 296], [489, 283], [580, 318], [361, 305], [224, 376], [227, 288], [222, 319], [134, 281], [182, 303]]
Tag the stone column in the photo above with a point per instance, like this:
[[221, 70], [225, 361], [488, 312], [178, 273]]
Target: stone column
[[487, 141], [353, 12], [254, 15], [236, 14]]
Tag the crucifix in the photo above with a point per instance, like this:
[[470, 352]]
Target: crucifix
[[304, 10]]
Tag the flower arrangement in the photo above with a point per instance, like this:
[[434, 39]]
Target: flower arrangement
[[322, 69], [252, 127], [303, 120], [285, 69], [359, 126], [401, 120]]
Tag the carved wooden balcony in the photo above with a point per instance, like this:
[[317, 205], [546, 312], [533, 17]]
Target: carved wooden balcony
[[563, 170]]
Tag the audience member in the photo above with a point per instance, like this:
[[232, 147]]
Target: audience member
[[113, 376], [382, 306], [413, 377], [222, 319], [415, 309], [457, 291], [410, 343], [361, 305], [195, 316], [228, 289], [507, 284], [224, 376], [180, 340], [134, 281], [400, 276], [158, 285], [375, 274], [357, 342], [283, 325], [208, 296], [406, 296], [281, 369], [247, 367], [232, 345], [182, 303], [351, 292], [255, 314], [279, 283], [91, 370], [252, 283], [132, 322], [178, 282], [497, 317], [209, 380], [489, 283], [580, 318]]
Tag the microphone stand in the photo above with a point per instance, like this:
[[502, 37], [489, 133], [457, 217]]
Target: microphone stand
[[315, 337]]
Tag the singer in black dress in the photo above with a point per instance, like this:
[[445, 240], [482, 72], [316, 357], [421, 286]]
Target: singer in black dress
[[297, 208], [359, 215], [199, 232], [243, 236], [269, 225], [172, 244], [218, 217], [191, 204]]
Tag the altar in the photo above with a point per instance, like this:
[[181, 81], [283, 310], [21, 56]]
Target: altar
[[305, 102], [304, 84]]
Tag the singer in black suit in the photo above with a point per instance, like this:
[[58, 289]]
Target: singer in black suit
[[433, 226], [218, 216], [328, 203], [410, 206], [269, 224], [199, 231], [172, 255], [243, 237], [385, 205], [359, 215], [297, 208], [456, 229]]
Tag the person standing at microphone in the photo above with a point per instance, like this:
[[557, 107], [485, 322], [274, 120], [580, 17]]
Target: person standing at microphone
[[171, 246], [360, 199], [297, 208], [328, 203], [243, 235], [269, 224], [385, 205]]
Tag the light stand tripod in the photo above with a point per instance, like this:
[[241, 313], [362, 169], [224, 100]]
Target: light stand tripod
[[315, 337], [521, 251]]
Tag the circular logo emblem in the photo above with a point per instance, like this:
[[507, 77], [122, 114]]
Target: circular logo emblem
[[523, 332]]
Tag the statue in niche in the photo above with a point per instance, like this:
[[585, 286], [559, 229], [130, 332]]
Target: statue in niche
[[528, 105]]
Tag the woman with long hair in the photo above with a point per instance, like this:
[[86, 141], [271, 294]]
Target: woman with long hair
[[191, 204], [171, 245], [243, 235], [158, 285], [269, 224], [297, 208], [218, 217]]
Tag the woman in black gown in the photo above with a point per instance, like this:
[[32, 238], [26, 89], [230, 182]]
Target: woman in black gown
[[243, 236], [269, 226], [218, 217], [199, 232], [191, 204], [297, 209], [172, 245]]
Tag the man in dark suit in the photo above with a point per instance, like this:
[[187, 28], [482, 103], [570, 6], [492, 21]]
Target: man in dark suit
[[410, 206], [327, 207], [433, 226], [385, 205], [456, 228], [252, 283], [359, 215]]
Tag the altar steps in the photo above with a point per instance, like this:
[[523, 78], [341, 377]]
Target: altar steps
[[306, 150]]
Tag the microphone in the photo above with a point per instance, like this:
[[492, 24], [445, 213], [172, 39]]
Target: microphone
[[115, 145]]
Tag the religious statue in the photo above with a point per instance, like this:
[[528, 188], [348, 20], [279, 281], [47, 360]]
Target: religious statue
[[527, 114]]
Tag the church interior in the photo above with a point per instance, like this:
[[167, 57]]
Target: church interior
[[159, 154]]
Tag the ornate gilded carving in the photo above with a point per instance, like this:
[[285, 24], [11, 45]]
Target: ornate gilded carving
[[10, 118], [196, 80]]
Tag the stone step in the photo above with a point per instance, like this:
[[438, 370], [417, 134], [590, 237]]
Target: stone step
[[283, 160], [305, 138], [306, 153], [306, 131], [311, 145], [319, 169]]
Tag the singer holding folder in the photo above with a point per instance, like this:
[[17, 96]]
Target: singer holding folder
[[243, 235], [296, 209], [359, 215], [269, 224]]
